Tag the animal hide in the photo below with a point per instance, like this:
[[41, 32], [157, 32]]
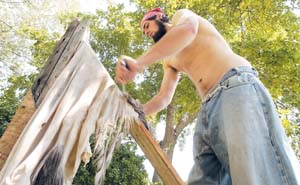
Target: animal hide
[[83, 100]]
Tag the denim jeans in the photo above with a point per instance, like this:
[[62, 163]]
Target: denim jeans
[[239, 138]]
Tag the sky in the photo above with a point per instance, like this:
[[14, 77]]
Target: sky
[[92, 5], [182, 159]]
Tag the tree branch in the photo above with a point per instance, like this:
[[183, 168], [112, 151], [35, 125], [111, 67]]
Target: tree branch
[[184, 121], [6, 24], [14, 30], [19, 55], [4, 31]]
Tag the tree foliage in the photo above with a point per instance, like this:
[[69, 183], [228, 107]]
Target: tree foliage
[[126, 168], [17, 19]]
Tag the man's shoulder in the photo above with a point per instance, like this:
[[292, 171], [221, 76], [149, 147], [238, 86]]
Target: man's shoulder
[[180, 15]]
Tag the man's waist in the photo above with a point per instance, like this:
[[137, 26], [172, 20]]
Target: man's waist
[[228, 81]]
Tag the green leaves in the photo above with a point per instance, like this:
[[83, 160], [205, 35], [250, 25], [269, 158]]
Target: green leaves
[[43, 46], [126, 167]]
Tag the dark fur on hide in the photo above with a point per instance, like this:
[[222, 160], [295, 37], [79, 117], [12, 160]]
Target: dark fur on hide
[[51, 172], [138, 107]]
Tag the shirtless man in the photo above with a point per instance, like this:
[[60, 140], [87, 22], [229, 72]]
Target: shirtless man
[[238, 137]]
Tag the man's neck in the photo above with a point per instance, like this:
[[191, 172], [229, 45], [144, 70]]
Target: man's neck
[[168, 26]]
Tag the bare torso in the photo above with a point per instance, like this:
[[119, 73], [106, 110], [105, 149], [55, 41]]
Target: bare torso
[[207, 58]]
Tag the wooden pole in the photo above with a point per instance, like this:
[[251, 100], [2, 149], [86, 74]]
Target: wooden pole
[[61, 56]]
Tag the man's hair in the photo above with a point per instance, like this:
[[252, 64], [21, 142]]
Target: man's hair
[[164, 18]]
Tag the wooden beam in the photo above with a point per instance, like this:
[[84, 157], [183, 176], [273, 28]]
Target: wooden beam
[[155, 155], [64, 51]]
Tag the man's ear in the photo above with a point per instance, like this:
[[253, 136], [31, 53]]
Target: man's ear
[[160, 16]]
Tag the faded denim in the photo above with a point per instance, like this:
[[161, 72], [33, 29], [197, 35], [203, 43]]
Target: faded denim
[[239, 138]]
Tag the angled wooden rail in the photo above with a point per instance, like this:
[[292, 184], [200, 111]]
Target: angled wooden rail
[[155, 155]]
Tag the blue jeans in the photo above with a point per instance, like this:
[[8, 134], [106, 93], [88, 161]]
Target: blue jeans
[[239, 138]]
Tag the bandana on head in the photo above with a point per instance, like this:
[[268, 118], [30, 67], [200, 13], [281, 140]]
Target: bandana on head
[[151, 13]]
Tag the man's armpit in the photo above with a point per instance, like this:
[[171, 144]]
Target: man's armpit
[[166, 66]]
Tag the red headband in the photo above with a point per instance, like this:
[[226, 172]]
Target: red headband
[[151, 13]]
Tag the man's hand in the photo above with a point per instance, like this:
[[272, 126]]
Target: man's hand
[[126, 73]]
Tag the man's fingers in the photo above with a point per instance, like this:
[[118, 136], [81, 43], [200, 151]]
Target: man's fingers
[[123, 74], [120, 80]]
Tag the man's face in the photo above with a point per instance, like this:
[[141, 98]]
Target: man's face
[[154, 29]]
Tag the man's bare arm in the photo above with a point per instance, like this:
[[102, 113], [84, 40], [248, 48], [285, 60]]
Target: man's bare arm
[[166, 92]]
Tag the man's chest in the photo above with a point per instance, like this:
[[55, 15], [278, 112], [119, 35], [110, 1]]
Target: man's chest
[[184, 59]]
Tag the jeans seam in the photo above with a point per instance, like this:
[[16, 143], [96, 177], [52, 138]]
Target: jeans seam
[[205, 123], [273, 144]]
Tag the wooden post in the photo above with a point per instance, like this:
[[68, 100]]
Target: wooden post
[[62, 54]]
